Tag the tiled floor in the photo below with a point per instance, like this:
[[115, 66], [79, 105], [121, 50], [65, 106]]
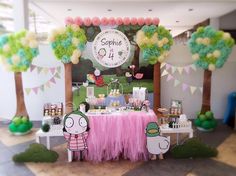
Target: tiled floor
[[225, 164]]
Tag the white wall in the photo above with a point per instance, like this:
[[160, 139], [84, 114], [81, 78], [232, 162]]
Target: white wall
[[223, 82], [34, 103]]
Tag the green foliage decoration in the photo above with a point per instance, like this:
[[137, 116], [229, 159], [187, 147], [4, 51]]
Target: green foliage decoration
[[155, 43], [20, 124], [210, 48]]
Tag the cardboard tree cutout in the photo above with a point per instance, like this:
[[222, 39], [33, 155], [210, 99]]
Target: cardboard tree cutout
[[75, 131], [156, 144]]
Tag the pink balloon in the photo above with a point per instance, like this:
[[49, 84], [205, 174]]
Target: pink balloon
[[69, 21], [141, 21], [112, 21], [155, 21], [87, 21], [96, 21], [78, 21], [148, 21], [126, 21], [104, 21], [119, 21], [134, 21]]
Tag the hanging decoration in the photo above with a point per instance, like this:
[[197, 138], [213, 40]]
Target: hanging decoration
[[45, 70], [155, 43], [46, 84], [18, 50], [96, 21], [68, 43], [210, 48], [180, 69], [184, 86]]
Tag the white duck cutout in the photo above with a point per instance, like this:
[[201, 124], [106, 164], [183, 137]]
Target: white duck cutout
[[156, 144]]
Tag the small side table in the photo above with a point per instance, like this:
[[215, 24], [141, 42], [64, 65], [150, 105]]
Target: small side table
[[177, 131], [55, 130]]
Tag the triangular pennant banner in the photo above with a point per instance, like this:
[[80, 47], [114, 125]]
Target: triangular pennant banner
[[39, 69], [59, 69], [200, 88], [52, 70], [192, 89], [27, 90], [45, 70], [180, 70], [184, 87], [176, 83], [193, 67], [32, 67], [173, 69], [162, 65], [168, 66], [48, 84], [57, 76], [42, 88], [169, 77], [53, 80], [186, 69], [164, 73], [35, 89]]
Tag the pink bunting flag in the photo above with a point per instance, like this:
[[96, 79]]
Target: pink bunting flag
[[53, 80], [184, 87], [169, 77], [52, 70], [186, 69], [35, 89], [32, 67], [168, 66]]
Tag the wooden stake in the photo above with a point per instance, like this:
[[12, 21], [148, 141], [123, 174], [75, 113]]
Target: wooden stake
[[20, 102], [68, 87], [156, 87]]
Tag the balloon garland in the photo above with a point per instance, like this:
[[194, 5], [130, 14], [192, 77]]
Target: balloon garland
[[17, 50], [68, 43], [210, 48], [155, 43]]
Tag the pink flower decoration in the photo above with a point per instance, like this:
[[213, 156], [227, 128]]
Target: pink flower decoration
[[112, 21], [155, 21], [148, 21], [140, 21], [104, 21], [119, 21], [69, 21], [87, 21], [126, 21], [134, 21], [96, 21], [78, 21]]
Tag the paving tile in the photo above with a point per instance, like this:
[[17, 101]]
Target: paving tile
[[13, 169], [5, 155]]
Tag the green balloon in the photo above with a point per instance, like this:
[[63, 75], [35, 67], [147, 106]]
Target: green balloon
[[12, 127], [197, 122], [23, 128], [24, 119], [202, 117], [209, 115], [206, 125]]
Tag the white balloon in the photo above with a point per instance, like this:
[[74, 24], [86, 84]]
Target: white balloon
[[6, 48], [74, 60], [216, 53], [75, 41], [15, 59], [33, 44], [211, 67], [195, 56]]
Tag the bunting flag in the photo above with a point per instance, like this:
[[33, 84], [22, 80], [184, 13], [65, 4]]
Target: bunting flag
[[184, 86], [43, 86], [187, 68], [45, 70]]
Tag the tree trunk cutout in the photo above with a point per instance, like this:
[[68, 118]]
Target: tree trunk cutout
[[135, 60], [20, 102], [206, 95], [68, 88], [156, 87]]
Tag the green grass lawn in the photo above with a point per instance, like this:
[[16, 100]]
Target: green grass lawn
[[80, 96]]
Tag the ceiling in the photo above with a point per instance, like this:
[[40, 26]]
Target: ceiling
[[174, 15]]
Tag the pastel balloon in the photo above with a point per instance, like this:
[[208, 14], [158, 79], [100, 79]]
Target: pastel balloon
[[75, 41], [126, 21], [6, 48], [104, 21], [87, 21], [78, 21], [119, 21], [74, 60], [226, 35], [15, 59], [216, 53], [211, 67], [155, 21], [96, 21], [148, 21], [141, 21], [33, 44], [112, 21], [134, 21], [195, 56], [69, 21]]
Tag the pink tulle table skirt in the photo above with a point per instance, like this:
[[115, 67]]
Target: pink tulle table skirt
[[118, 135]]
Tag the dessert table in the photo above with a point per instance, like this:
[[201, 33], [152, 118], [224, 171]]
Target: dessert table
[[113, 135], [118, 135]]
